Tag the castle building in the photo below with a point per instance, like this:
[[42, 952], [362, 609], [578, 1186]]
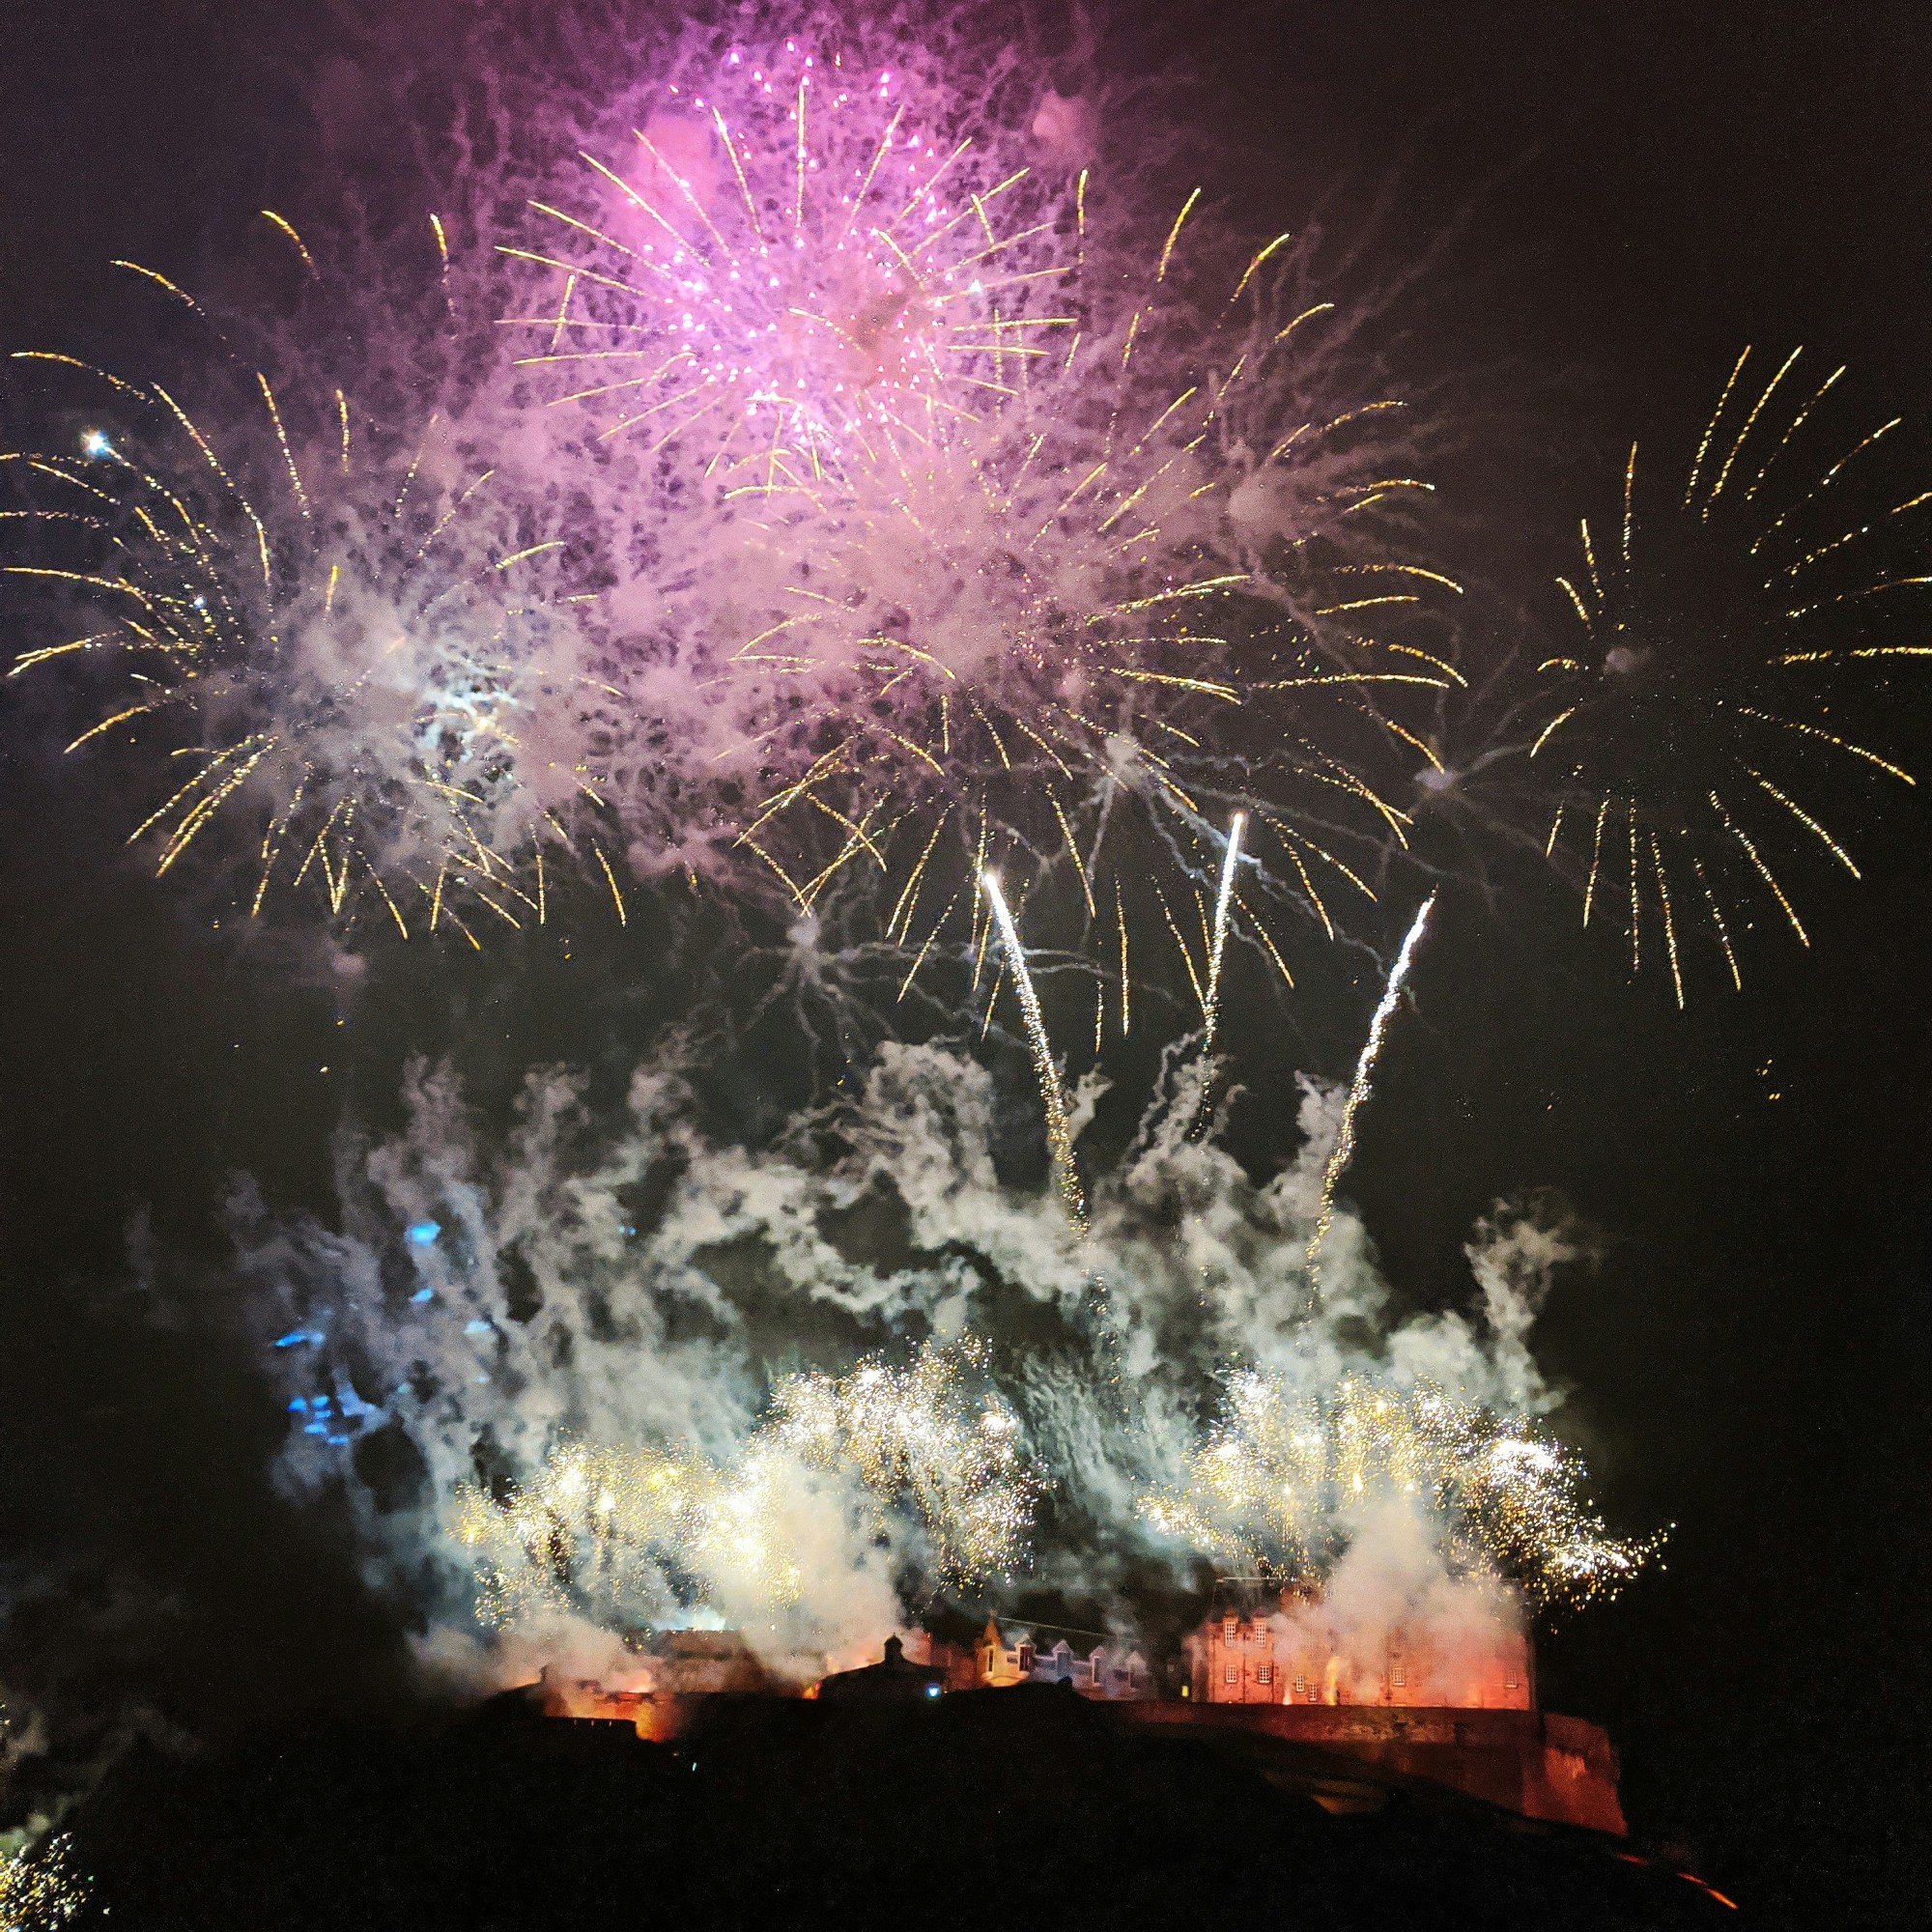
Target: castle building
[[1263, 1659], [1110, 1670], [1449, 1707], [1458, 1709]]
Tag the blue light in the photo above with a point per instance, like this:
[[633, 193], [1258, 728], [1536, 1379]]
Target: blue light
[[932, 1689], [94, 443], [423, 1295], [298, 1406], [477, 1328], [296, 1337], [422, 1234]]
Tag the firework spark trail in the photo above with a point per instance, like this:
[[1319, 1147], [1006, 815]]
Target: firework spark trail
[[1052, 1096], [1223, 901], [1343, 1151]]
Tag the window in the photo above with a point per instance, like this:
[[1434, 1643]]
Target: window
[[1231, 1630], [1300, 1682], [1397, 1672], [1265, 1673], [1026, 1659], [992, 1660], [1232, 1675]]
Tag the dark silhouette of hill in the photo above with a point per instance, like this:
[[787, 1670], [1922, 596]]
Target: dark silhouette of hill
[[983, 1810]]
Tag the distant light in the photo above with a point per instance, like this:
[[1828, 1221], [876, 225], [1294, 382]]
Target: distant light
[[94, 443], [423, 1295], [295, 1338], [422, 1234], [932, 1689]]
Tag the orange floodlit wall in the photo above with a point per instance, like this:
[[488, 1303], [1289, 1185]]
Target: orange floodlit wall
[[1274, 1658]]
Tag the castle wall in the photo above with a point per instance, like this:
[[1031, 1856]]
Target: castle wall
[[1556, 1768]]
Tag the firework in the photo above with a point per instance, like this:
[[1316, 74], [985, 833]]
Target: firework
[[600, 1528], [800, 260], [967, 526], [638, 1535], [1723, 638], [1359, 1089], [1052, 1097], [342, 644], [39, 1888], [1273, 1486], [934, 1433]]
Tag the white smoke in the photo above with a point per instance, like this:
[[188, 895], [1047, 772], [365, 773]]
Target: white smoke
[[488, 1292]]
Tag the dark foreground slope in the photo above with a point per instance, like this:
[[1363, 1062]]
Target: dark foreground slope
[[985, 1810]]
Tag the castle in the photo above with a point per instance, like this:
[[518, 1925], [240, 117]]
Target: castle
[[1458, 1711]]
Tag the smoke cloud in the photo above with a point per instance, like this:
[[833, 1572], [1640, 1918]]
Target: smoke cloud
[[509, 1329]]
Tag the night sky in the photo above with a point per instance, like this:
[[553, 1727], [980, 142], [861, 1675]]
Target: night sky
[[1630, 193]]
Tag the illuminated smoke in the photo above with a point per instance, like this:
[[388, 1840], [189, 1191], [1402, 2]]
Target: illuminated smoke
[[635, 1536], [1285, 1477], [621, 1297]]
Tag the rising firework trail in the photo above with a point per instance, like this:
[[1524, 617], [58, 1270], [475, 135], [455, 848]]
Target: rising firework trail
[[1222, 902], [1359, 1089], [1053, 1098]]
